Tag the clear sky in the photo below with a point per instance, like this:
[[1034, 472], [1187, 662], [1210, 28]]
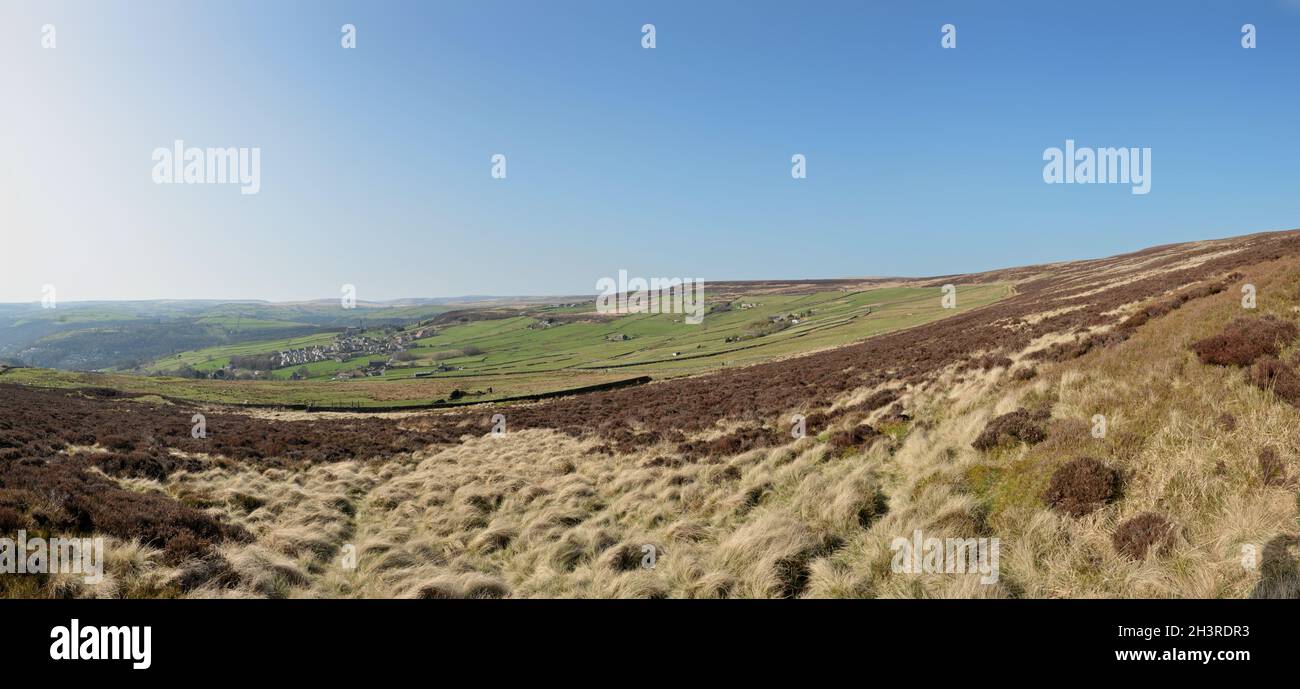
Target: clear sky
[[675, 162]]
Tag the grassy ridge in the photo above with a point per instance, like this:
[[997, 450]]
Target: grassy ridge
[[518, 357], [837, 318]]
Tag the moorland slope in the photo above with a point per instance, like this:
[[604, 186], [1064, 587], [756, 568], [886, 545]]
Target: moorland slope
[[1123, 426]]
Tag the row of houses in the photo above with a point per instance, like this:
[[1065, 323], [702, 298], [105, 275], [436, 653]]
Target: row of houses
[[346, 347]]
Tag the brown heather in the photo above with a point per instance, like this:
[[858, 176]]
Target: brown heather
[[1020, 426], [1082, 486], [1245, 340], [931, 429], [1271, 373], [1147, 533]]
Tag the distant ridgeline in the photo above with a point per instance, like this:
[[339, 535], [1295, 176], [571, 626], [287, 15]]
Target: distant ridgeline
[[128, 335]]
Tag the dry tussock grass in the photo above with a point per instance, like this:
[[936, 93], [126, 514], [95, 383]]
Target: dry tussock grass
[[540, 513], [1179, 460]]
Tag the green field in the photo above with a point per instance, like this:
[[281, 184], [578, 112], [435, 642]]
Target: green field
[[516, 356], [660, 345], [212, 358], [140, 336]]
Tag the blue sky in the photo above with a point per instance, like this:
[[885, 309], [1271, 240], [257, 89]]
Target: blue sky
[[666, 162]]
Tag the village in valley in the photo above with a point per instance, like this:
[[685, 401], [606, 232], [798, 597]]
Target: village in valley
[[353, 343], [512, 348]]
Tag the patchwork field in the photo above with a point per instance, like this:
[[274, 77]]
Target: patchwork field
[[550, 349], [661, 344], [127, 335]]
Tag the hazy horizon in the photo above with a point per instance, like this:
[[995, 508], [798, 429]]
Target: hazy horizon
[[673, 161], [464, 298]]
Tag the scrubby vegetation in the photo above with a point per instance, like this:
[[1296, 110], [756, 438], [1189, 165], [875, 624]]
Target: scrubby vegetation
[[1127, 465], [1147, 533], [1270, 373], [1246, 340], [1082, 486], [1020, 425]]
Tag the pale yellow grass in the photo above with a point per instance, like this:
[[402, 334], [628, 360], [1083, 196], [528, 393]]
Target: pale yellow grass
[[538, 514]]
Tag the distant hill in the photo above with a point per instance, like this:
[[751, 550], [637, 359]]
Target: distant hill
[[99, 335]]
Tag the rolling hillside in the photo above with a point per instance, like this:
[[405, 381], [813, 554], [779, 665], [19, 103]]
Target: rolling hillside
[[512, 350], [1121, 426]]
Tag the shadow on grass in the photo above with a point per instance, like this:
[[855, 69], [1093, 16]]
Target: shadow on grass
[[1279, 573]]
